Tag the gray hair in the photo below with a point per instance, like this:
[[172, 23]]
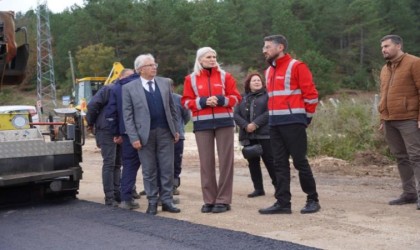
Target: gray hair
[[277, 39], [126, 72], [200, 53], [140, 61]]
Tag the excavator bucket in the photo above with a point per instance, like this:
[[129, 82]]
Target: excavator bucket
[[13, 58]]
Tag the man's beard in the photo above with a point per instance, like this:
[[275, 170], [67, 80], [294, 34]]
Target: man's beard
[[272, 58]]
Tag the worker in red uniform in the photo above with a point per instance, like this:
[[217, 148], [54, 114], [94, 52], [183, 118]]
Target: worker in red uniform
[[292, 102]]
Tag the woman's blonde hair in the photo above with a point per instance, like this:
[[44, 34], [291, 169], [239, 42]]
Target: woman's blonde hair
[[200, 53]]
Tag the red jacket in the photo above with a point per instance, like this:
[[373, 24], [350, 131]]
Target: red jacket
[[197, 88], [292, 94]]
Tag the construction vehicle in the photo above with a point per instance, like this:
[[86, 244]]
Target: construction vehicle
[[87, 87], [13, 58], [34, 163]]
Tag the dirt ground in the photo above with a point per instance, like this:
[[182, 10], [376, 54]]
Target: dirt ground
[[354, 198]]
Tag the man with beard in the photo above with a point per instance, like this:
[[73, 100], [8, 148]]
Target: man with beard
[[400, 117], [292, 102]]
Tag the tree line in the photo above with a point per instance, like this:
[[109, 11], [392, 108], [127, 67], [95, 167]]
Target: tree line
[[338, 39]]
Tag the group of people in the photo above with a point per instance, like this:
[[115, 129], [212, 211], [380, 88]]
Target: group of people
[[273, 114]]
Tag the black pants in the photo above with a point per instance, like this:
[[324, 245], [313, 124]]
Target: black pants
[[178, 152], [286, 141], [255, 166]]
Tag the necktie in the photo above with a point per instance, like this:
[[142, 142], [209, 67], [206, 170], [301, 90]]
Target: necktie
[[150, 86]]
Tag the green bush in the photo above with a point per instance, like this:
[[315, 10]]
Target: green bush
[[343, 130]]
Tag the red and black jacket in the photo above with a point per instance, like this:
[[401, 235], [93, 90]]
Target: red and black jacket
[[292, 94], [198, 87]]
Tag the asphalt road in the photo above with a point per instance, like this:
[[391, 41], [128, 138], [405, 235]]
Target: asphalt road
[[77, 224]]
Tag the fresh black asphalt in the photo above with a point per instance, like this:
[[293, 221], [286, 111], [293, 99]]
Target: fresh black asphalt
[[77, 224]]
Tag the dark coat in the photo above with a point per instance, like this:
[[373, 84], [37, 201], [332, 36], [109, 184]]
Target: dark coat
[[113, 111], [253, 108], [96, 109]]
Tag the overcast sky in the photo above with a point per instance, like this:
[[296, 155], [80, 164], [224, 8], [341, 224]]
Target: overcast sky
[[55, 6]]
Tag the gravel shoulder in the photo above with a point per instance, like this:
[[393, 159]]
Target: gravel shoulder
[[354, 213]]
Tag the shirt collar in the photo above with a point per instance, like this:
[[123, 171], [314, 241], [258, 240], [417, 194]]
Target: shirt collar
[[144, 82]]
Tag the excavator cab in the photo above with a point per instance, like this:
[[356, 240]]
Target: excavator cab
[[87, 87], [13, 58]]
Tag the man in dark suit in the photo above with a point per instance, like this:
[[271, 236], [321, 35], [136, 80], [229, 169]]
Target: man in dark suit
[[151, 124]]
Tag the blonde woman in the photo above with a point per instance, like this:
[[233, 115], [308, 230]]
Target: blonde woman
[[210, 93]]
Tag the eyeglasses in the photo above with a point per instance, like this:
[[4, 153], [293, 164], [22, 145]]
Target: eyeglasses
[[151, 65]]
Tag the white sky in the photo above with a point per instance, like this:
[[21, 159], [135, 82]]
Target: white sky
[[55, 6]]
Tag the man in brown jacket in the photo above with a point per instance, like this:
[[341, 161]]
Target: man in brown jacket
[[400, 117]]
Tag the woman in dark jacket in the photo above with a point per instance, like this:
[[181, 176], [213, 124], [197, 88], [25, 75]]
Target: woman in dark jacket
[[251, 115]]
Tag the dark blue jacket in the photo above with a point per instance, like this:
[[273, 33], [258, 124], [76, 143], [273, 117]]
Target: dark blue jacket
[[96, 109], [113, 111], [183, 114]]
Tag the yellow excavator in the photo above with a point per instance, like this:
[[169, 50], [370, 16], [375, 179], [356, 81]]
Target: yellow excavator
[[13, 57], [87, 87]]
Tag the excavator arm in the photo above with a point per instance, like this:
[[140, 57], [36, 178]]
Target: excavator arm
[[13, 58], [117, 67]]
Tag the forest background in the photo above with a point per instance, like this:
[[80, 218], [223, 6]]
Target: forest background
[[338, 39]]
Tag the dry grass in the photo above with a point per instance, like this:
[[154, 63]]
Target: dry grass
[[12, 95]]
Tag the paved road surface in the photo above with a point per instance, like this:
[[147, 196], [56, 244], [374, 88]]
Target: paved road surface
[[79, 224]]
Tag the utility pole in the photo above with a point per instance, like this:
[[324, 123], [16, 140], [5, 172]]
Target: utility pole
[[46, 90], [73, 78]]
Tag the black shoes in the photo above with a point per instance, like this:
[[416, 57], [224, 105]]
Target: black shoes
[[220, 208], [403, 200], [152, 209], [276, 208], [217, 208], [256, 193], [111, 202], [207, 208], [131, 204], [170, 208], [310, 207], [135, 195]]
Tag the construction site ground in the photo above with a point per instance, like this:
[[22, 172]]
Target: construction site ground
[[355, 213]]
